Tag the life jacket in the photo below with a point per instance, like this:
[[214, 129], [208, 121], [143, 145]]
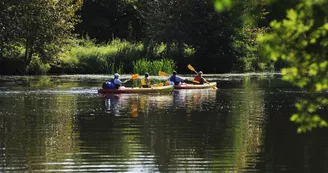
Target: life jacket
[[197, 77], [111, 84], [174, 80], [144, 81]]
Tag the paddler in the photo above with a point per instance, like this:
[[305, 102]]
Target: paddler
[[200, 78], [174, 79], [145, 82], [114, 83]]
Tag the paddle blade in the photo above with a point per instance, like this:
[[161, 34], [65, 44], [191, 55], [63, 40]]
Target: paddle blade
[[161, 73], [135, 76], [195, 81], [191, 67]]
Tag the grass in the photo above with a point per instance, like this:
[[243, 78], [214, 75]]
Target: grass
[[87, 57], [153, 67]]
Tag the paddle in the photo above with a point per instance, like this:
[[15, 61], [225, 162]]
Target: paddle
[[161, 73], [133, 77], [193, 69]]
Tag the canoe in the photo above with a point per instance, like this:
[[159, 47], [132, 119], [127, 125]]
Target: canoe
[[153, 89], [196, 86]]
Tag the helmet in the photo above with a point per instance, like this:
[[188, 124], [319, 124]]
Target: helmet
[[116, 75], [200, 72], [146, 74], [174, 73]]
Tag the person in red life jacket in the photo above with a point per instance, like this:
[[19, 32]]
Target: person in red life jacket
[[200, 78]]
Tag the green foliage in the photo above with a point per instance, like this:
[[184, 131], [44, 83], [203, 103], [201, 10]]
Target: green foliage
[[116, 68], [153, 67], [42, 27], [179, 23], [249, 51], [221, 5], [301, 40], [87, 57], [37, 66]]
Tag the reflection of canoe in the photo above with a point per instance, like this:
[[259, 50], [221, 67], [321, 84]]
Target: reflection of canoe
[[196, 86], [154, 89]]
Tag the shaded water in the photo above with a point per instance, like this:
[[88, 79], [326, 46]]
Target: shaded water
[[61, 124]]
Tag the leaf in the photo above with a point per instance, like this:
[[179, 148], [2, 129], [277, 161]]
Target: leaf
[[294, 117], [325, 26], [291, 14]]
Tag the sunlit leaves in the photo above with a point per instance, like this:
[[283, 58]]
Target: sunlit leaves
[[301, 40], [292, 15], [221, 5]]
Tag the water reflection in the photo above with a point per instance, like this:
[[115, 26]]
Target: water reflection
[[241, 127], [112, 104], [246, 125]]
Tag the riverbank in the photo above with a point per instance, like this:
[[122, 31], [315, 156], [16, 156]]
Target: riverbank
[[85, 56]]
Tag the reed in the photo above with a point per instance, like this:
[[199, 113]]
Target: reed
[[153, 67]]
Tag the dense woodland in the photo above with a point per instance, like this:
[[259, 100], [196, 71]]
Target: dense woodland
[[102, 36]]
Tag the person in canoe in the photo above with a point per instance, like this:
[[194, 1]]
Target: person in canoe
[[114, 83], [174, 79], [145, 82], [199, 78]]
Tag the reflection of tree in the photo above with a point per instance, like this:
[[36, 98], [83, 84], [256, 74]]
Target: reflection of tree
[[38, 126], [246, 126]]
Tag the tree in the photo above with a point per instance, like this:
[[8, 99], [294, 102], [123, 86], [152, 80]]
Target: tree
[[104, 19], [42, 27], [301, 40], [8, 26], [194, 23]]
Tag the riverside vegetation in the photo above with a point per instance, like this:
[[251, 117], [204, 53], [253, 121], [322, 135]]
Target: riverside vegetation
[[106, 36]]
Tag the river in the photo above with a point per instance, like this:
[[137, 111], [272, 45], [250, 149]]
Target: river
[[61, 124]]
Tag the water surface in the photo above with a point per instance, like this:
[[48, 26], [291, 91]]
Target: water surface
[[61, 124]]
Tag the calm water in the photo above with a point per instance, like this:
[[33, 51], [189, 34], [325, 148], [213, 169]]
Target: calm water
[[61, 124]]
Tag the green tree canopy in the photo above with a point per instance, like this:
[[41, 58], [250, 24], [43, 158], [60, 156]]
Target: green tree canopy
[[42, 27]]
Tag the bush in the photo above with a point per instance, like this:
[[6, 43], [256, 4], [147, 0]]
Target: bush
[[37, 67]]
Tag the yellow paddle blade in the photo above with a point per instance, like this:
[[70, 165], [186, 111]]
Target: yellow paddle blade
[[191, 67], [195, 81], [161, 73], [135, 76]]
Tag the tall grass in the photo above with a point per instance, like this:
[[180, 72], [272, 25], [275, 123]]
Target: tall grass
[[87, 57], [153, 67]]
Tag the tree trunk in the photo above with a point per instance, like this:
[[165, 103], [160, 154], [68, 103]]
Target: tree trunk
[[168, 45], [180, 49], [27, 56]]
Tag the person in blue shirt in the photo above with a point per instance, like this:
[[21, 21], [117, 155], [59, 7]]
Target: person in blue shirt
[[175, 80], [114, 83]]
